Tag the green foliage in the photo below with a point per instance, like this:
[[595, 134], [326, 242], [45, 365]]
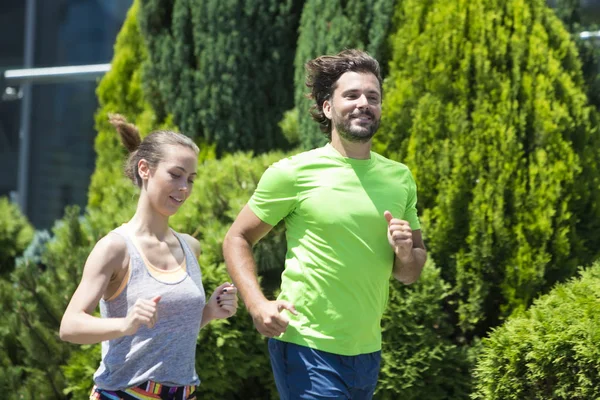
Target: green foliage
[[223, 69], [485, 104], [33, 302], [327, 27], [289, 126], [232, 359], [79, 369], [15, 235], [549, 352], [418, 359]]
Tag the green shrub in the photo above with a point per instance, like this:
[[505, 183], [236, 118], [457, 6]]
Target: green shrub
[[327, 27], [15, 235], [485, 103], [33, 302], [289, 126], [223, 69], [79, 369], [419, 361], [549, 352]]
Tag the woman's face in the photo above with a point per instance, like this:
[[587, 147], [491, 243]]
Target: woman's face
[[170, 183]]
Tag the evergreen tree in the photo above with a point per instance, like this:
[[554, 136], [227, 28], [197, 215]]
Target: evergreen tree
[[485, 103], [15, 234], [549, 352], [327, 27], [32, 304], [223, 69]]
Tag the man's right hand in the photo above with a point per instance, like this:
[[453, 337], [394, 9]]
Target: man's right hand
[[268, 319]]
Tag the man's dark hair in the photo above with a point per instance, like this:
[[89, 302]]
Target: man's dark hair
[[322, 75]]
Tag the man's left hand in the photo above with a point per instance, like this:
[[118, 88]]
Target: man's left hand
[[399, 237]]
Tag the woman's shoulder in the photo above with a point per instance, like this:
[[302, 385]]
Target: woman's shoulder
[[112, 248], [192, 242]]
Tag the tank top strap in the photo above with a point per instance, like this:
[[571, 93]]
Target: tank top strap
[[190, 257], [187, 250], [135, 258]]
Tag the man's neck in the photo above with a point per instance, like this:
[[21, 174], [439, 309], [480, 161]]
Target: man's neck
[[360, 151]]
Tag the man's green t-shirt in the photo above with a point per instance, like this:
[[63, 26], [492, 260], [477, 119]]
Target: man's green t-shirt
[[338, 262]]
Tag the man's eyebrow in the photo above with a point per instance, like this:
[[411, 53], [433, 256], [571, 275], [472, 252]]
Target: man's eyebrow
[[371, 91]]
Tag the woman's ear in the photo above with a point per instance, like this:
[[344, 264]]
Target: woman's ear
[[143, 169]]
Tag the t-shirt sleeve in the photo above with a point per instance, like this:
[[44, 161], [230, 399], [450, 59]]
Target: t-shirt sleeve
[[275, 196], [410, 213]]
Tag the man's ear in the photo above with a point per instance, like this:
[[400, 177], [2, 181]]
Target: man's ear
[[327, 108], [143, 169]]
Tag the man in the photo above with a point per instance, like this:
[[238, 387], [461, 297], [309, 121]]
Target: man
[[351, 222]]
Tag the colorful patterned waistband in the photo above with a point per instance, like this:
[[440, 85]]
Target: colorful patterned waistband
[[146, 391]]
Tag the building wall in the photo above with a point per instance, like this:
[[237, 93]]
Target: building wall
[[11, 56], [62, 158]]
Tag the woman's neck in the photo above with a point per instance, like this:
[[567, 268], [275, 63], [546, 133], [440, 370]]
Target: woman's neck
[[147, 222]]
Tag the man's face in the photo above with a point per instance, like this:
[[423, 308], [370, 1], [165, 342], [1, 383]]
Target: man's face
[[355, 107]]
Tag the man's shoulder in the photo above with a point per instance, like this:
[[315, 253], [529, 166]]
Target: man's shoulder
[[299, 160], [389, 163]]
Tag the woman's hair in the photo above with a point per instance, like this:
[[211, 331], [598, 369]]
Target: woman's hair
[[149, 149], [322, 75]]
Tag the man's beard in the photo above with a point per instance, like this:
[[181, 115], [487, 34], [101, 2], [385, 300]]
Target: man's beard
[[356, 134]]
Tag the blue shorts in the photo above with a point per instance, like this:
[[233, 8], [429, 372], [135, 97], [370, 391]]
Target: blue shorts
[[304, 373]]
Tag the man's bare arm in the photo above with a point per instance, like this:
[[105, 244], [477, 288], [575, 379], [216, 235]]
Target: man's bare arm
[[244, 233]]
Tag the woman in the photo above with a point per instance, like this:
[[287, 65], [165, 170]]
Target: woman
[[147, 281]]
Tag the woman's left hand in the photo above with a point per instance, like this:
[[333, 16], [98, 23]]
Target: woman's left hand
[[223, 302]]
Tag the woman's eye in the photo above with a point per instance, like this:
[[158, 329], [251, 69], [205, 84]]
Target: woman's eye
[[175, 176]]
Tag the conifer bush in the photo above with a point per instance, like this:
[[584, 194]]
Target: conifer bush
[[485, 102], [223, 69], [15, 234], [32, 303], [419, 359], [549, 352]]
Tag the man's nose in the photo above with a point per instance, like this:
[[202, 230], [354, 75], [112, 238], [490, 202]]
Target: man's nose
[[362, 101]]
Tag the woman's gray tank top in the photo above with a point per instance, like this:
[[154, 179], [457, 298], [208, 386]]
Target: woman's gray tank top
[[166, 353]]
